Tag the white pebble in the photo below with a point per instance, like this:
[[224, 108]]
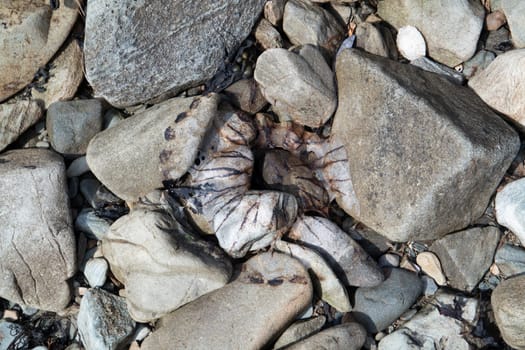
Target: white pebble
[[411, 43], [96, 271], [42, 144], [510, 208]]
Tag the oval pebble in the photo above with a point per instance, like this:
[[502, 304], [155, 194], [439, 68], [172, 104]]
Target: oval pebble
[[410, 43], [77, 167], [96, 271], [431, 265]]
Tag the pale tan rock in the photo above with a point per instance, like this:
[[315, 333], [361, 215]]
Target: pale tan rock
[[509, 310], [15, 118], [300, 330], [495, 20], [348, 336], [274, 11], [33, 34], [267, 36], [65, 76], [430, 265], [500, 85]]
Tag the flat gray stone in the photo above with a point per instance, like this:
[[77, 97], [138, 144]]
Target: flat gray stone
[[104, 321], [352, 264], [125, 158], [300, 330], [464, 266], [277, 281], [72, 124], [346, 336], [515, 14], [127, 62], [438, 68], [35, 230], [377, 307], [300, 87], [510, 208], [434, 325], [510, 260], [499, 85], [267, 35], [509, 310], [451, 27], [161, 265], [15, 118], [433, 150], [307, 23], [41, 30]]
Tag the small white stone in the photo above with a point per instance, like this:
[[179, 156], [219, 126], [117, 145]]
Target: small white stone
[[410, 43], [141, 332], [510, 208], [42, 144], [431, 265], [96, 272]]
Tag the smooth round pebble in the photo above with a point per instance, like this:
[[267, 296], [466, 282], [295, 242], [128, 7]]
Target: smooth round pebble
[[410, 43], [429, 286]]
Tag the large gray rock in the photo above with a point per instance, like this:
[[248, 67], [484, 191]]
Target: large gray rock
[[499, 85], [307, 23], [464, 266], [31, 34], [35, 230], [377, 307], [162, 266], [509, 310], [346, 336], [277, 281], [104, 321], [15, 118], [352, 264], [515, 14], [72, 124], [125, 158], [451, 27], [432, 149], [300, 86], [135, 51], [443, 321]]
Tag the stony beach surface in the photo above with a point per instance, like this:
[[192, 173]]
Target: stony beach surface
[[262, 174]]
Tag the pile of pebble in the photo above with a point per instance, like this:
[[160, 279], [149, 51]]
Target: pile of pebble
[[245, 174]]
